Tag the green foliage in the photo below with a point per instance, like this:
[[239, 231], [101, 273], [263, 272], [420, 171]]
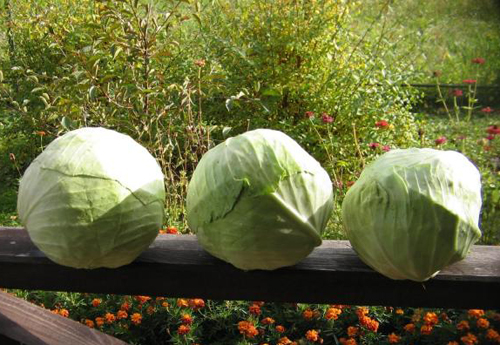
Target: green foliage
[[279, 60], [176, 76], [180, 321]]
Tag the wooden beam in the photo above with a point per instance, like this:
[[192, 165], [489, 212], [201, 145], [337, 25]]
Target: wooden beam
[[26, 323], [176, 266]]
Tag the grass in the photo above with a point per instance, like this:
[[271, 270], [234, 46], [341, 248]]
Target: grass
[[8, 200]]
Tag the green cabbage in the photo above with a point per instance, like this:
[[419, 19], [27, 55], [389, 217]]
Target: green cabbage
[[413, 212], [93, 198], [259, 201]]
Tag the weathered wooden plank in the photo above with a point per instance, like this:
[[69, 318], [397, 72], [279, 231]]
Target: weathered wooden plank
[[175, 266], [32, 325]]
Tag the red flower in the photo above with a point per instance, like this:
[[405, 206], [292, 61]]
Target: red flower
[[382, 124], [457, 93], [493, 130], [487, 110], [373, 145], [469, 81], [386, 148], [490, 137], [326, 118], [478, 60], [441, 140], [254, 309], [196, 303], [309, 114]]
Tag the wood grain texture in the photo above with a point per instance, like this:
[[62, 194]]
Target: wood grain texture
[[29, 324], [176, 266]]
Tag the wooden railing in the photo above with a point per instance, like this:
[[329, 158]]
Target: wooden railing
[[176, 266]]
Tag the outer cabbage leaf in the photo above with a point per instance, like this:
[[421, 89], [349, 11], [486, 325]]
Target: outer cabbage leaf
[[413, 212], [93, 198], [259, 201]]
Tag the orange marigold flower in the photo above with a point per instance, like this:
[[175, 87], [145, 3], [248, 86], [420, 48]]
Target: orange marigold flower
[[55, 311], [267, 321], [475, 313], [350, 341], [165, 304], [393, 338], [339, 306], [186, 319], [125, 306], [431, 319], [254, 309], [110, 318], [247, 329], [183, 329], [352, 331], [142, 299], [243, 326], [150, 310], [333, 313], [121, 314], [252, 332], [284, 341], [183, 303], [99, 321], [196, 303], [308, 314], [96, 302], [410, 328], [491, 334], [41, 133], [361, 311], [172, 230], [312, 335], [482, 323], [373, 325], [426, 329], [469, 339], [136, 318], [463, 325], [89, 323], [400, 311], [64, 312], [452, 343], [280, 329]]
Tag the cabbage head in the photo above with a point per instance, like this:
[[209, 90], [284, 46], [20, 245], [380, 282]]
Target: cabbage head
[[93, 198], [259, 201], [413, 212]]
